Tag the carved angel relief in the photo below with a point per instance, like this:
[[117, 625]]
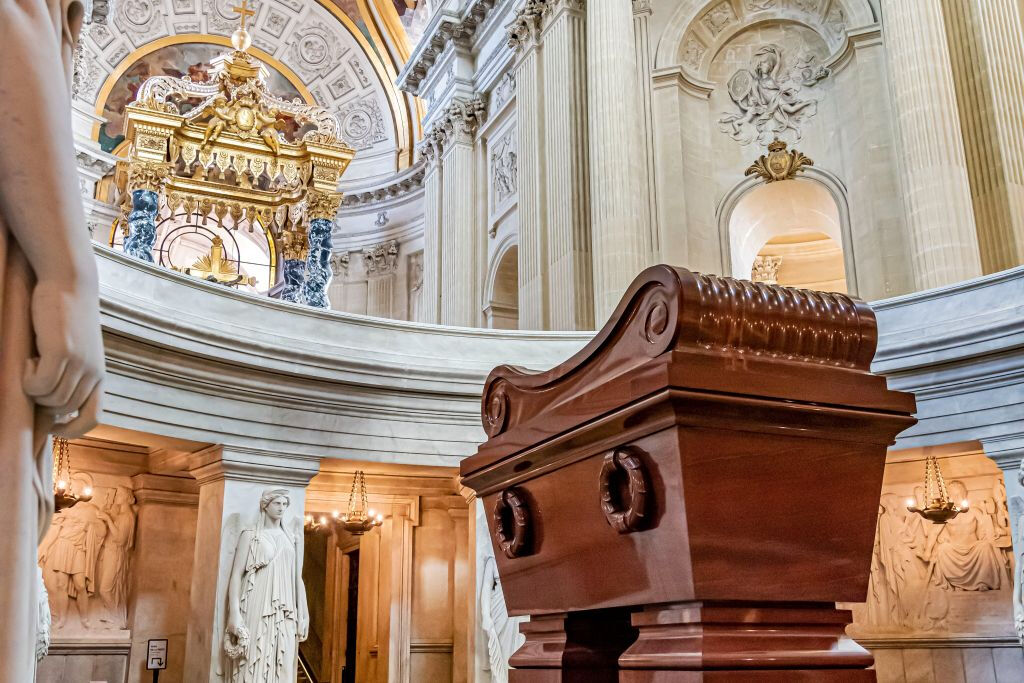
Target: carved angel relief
[[768, 96]]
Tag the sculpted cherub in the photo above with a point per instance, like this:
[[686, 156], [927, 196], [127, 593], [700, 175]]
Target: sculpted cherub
[[220, 115]]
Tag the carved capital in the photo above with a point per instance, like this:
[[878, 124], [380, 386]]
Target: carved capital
[[381, 259], [463, 117], [322, 204], [295, 244], [524, 30], [148, 175], [340, 264], [766, 269]]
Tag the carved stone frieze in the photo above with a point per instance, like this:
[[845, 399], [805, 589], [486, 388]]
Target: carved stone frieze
[[381, 259], [415, 285], [315, 49], [502, 92]]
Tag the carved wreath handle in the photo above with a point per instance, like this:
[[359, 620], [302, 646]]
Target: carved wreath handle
[[512, 535], [625, 516]]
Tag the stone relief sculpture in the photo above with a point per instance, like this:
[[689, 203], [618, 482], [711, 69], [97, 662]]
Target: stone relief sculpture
[[43, 621], [503, 169], [768, 96], [415, 285], [266, 604], [1017, 510], [917, 567], [50, 346], [503, 637], [85, 559]]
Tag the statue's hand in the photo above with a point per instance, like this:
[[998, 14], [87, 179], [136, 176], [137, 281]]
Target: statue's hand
[[66, 377], [303, 628], [232, 627]]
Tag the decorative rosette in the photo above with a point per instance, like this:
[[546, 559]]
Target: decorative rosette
[[236, 646]]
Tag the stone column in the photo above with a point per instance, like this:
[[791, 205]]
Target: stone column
[[381, 263], [163, 555], [937, 197], [429, 310], [295, 251], [524, 36], [642, 35], [565, 156], [231, 481], [321, 208], [621, 240], [986, 41], [145, 183], [459, 283], [142, 225]]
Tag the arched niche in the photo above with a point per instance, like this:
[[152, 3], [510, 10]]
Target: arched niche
[[753, 213], [501, 304]]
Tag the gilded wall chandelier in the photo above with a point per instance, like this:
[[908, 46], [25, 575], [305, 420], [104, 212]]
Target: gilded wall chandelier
[[938, 508], [64, 495]]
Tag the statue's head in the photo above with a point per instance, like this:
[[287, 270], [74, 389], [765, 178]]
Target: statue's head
[[274, 502], [957, 491]]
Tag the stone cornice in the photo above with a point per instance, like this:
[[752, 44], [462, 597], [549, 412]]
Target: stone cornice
[[446, 27], [398, 185]]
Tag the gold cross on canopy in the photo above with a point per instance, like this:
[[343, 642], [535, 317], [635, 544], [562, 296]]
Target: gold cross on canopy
[[244, 12]]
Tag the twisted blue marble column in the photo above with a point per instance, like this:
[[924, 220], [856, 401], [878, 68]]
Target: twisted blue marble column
[[318, 263], [142, 225], [294, 276]]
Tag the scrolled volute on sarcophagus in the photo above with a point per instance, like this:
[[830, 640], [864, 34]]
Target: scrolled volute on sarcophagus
[[701, 477]]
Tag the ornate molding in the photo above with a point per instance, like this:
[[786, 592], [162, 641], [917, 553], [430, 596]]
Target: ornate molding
[[148, 175], [398, 186], [449, 28], [458, 123], [778, 164]]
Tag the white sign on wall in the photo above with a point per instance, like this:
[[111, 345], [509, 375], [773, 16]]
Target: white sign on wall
[[156, 655]]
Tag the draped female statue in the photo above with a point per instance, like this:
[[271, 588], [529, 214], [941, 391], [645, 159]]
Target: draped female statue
[[51, 355], [267, 613]]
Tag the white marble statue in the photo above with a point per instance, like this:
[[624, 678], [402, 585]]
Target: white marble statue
[[43, 621], [503, 637], [267, 612], [51, 354]]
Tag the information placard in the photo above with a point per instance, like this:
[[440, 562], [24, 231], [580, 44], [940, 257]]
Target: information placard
[[156, 654]]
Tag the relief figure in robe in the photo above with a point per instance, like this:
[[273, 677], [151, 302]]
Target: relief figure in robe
[[112, 569], [967, 556], [267, 612], [69, 557]]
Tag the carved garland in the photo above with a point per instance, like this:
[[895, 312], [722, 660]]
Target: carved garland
[[512, 525], [625, 516]]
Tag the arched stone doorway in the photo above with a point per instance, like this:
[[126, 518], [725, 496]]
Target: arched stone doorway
[[501, 309]]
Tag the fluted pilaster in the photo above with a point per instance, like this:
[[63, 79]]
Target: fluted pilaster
[[458, 237], [621, 239], [430, 309], [940, 219], [566, 156], [642, 36], [987, 49], [533, 275]]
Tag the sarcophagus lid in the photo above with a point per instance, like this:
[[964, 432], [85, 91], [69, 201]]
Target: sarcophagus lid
[[717, 440]]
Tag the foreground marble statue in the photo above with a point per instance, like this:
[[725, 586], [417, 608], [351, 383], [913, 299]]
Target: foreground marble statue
[[267, 612], [51, 356]]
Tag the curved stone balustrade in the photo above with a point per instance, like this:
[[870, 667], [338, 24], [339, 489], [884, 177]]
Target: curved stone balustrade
[[194, 360]]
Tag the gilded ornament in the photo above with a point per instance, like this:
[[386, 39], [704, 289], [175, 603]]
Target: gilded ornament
[[322, 205], [778, 164]]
